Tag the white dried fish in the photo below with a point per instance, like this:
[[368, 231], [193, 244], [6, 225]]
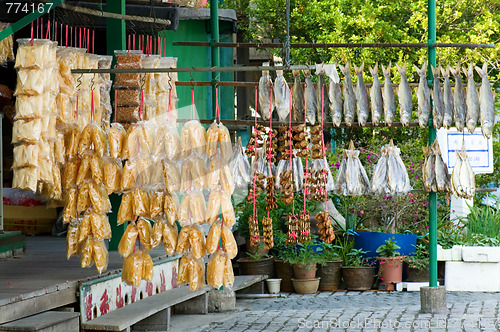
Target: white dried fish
[[463, 183], [377, 105], [486, 102], [334, 94], [311, 101], [297, 97], [397, 176], [442, 176], [265, 90], [448, 99], [437, 100], [459, 100], [428, 173], [423, 97], [352, 179], [349, 95], [379, 179], [472, 100], [362, 103], [389, 98], [404, 96], [322, 93], [281, 96]]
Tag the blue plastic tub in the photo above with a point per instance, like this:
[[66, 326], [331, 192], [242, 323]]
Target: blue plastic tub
[[370, 241]]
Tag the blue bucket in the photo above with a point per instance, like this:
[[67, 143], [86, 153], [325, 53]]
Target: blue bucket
[[370, 241]]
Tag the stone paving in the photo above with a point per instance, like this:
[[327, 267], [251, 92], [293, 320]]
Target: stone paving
[[361, 311]]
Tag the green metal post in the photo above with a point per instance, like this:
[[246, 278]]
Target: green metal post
[[214, 28], [115, 40], [431, 12]]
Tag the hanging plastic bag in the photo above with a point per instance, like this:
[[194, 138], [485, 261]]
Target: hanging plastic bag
[[240, 167], [100, 255], [127, 242], [197, 207], [72, 244], [170, 208], [147, 266], [228, 241], [133, 269], [215, 270], [197, 242], [116, 135], [170, 235], [213, 237], [213, 207], [126, 209]]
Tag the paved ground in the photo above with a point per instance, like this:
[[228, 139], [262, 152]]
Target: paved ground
[[351, 311]]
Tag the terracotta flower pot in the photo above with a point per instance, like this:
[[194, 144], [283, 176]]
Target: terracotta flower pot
[[304, 271], [331, 276], [306, 286], [250, 266], [258, 249], [358, 278], [390, 269], [416, 275], [284, 271]]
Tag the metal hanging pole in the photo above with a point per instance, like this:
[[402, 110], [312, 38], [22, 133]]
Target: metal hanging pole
[[214, 25], [287, 41], [433, 273]]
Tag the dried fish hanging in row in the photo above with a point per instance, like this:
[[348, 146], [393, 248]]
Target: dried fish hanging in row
[[463, 182], [267, 222], [351, 176], [253, 222], [390, 175], [435, 175]]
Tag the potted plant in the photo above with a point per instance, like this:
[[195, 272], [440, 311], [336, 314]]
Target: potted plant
[[329, 270], [390, 262], [304, 263], [282, 268], [418, 264], [256, 263], [357, 271]]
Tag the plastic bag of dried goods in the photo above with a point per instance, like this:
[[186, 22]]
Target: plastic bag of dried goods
[[227, 210], [66, 106], [70, 173], [157, 232], [228, 241], [215, 270], [126, 209], [132, 269], [196, 275], [197, 207], [85, 139], [25, 155], [49, 128], [45, 171], [157, 201], [198, 173], [141, 203], [112, 175], [226, 147], [100, 255], [226, 180], [214, 173], [87, 255], [116, 136], [197, 241], [101, 229], [183, 275], [84, 169], [29, 107], [55, 189], [172, 143], [83, 200], [213, 207], [99, 198], [156, 181], [25, 178], [37, 53], [59, 150], [31, 81], [72, 244], [192, 138], [184, 208], [128, 176], [70, 206], [28, 131], [170, 208], [212, 138], [147, 266], [183, 240], [96, 169], [213, 237], [99, 140], [85, 228], [128, 114], [170, 235], [228, 273], [72, 139], [127, 242], [128, 96], [144, 229], [171, 176]]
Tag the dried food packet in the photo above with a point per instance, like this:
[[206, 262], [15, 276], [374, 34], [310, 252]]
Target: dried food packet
[[87, 255], [170, 235], [171, 176], [85, 139], [128, 175], [28, 131], [70, 206], [157, 233], [126, 209], [55, 190], [70, 173], [72, 244], [99, 140], [132, 269], [85, 228], [196, 275], [25, 155], [228, 273], [227, 210], [36, 53], [183, 275], [128, 96], [184, 209], [214, 173], [186, 179], [226, 180], [59, 150], [226, 148], [213, 207], [170, 208], [213, 237], [147, 266], [83, 200], [99, 198], [112, 175], [183, 240], [141, 203], [197, 207], [229, 242], [144, 229], [29, 107], [116, 136], [172, 143], [72, 141], [101, 229], [96, 169], [127, 242], [128, 114], [215, 270], [197, 242], [198, 173], [100, 255], [156, 204], [212, 138]]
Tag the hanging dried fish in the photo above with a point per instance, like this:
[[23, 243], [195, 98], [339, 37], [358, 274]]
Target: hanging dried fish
[[362, 104], [388, 97], [448, 99], [351, 177], [459, 100], [322, 92], [435, 175], [472, 100], [265, 90], [397, 176], [486, 102], [404, 95], [442, 176], [437, 100], [463, 182], [334, 94], [377, 105], [311, 101], [349, 95], [423, 97], [325, 228], [297, 97], [379, 179], [281, 96], [428, 172]]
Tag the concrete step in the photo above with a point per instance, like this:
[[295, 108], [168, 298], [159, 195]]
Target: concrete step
[[53, 321]]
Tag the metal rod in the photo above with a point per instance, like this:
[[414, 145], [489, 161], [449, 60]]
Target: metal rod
[[337, 45], [115, 15], [253, 84]]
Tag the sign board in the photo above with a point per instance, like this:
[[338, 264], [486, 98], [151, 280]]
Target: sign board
[[479, 149], [105, 294]]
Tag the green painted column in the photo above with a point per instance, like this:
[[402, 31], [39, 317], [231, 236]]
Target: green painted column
[[115, 40], [433, 282]]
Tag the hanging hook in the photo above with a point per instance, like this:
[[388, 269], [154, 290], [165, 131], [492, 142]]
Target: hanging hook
[[79, 80], [92, 82], [143, 80]]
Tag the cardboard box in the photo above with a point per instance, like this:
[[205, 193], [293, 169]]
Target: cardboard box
[[29, 219]]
